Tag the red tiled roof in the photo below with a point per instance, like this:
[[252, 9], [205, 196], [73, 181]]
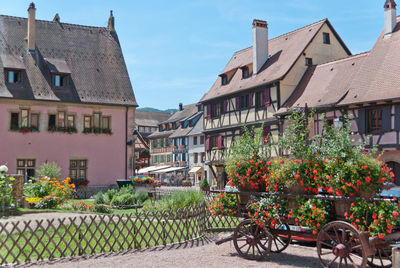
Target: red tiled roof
[[379, 76], [325, 84], [284, 51]]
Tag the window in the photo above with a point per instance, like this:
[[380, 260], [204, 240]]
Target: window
[[35, 121], [214, 142], [105, 122], [245, 72], [374, 120], [216, 109], [308, 61], [52, 122], [162, 143], [260, 99], [194, 140], [201, 139], [26, 167], [326, 37], [224, 79], [14, 124], [13, 77], [87, 122], [96, 120], [61, 119], [71, 121], [195, 156], [203, 157], [78, 170], [24, 118], [60, 80], [244, 101]]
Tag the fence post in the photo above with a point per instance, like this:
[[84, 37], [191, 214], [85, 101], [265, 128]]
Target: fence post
[[80, 253], [163, 233], [396, 257]]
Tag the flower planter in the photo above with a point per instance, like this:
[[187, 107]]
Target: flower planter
[[341, 207], [295, 189], [245, 198], [142, 187]]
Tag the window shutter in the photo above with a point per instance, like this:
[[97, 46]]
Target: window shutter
[[207, 143], [397, 117], [251, 99], [267, 97], [225, 106], [237, 103], [361, 120], [208, 111], [219, 142], [386, 118]]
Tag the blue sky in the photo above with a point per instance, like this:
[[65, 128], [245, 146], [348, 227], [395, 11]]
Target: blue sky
[[175, 49]]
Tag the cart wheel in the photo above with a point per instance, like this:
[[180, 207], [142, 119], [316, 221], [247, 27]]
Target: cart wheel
[[251, 241], [339, 245], [282, 240], [381, 258]]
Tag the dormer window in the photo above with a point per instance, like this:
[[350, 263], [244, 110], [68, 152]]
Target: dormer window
[[13, 76], [224, 79], [308, 61], [245, 72], [60, 80]]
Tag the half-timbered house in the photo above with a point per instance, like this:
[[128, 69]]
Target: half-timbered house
[[257, 80], [364, 89]]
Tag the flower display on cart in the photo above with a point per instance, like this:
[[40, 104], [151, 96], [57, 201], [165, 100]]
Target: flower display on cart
[[378, 218], [268, 211], [224, 204]]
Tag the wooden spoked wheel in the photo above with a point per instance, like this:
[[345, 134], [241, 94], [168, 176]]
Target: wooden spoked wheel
[[381, 258], [251, 241], [339, 245], [281, 237]]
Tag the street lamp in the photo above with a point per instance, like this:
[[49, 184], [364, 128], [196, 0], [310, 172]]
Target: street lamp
[[134, 137]]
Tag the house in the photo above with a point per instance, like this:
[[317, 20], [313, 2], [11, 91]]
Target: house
[[257, 81], [364, 89], [65, 96], [168, 145], [145, 124]]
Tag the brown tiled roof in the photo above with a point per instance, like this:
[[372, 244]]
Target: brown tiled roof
[[159, 134], [92, 55], [325, 84], [150, 119], [379, 76], [188, 110], [284, 51]]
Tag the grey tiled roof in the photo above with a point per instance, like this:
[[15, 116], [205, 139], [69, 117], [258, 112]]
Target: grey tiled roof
[[150, 119], [92, 55]]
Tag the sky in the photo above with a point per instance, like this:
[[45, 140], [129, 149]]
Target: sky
[[174, 50]]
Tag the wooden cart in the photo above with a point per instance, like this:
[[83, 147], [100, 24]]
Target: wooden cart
[[338, 243]]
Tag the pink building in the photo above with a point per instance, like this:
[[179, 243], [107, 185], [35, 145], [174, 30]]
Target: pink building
[[364, 88], [65, 97]]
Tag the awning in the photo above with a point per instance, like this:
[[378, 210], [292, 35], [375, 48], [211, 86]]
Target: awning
[[58, 66], [171, 169], [150, 169], [195, 169]]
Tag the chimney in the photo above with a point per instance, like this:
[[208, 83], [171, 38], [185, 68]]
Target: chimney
[[180, 106], [56, 18], [390, 16], [31, 28], [111, 22], [260, 44]]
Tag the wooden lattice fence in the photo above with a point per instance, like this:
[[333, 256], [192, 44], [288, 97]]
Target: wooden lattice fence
[[86, 235]]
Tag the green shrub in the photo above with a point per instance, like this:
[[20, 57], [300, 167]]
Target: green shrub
[[142, 197], [5, 186], [109, 195], [177, 200], [126, 199], [47, 202], [99, 208], [50, 170], [204, 183], [99, 198]]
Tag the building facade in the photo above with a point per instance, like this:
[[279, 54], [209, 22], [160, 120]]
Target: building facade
[[257, 81], [63, 100], [363, 89]]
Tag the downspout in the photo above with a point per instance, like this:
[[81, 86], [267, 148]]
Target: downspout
[[126, 145]]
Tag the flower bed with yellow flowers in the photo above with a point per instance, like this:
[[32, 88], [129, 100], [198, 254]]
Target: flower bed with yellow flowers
[[48, 192]]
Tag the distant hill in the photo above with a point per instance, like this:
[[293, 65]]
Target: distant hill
[[149, 109]]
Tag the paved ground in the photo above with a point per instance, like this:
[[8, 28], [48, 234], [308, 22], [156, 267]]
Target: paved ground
[[194, 254]]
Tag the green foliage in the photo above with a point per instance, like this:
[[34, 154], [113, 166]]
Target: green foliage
[[50, 170], [126, 196], [5, 187], [125, 199], [99, 208], [204, 183], [177, 200], [142, 197], [250, 144], [266, 211], [223, 204], [48, 202]]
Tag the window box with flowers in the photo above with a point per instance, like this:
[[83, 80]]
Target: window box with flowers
[[87, 130], [181, 146]]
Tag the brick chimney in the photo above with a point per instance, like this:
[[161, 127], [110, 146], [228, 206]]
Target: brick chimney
[[180, 106], [56, 18], [111, 22], [390, 16], [31, 28], [260, 44]]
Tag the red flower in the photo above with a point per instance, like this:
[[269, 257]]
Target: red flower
[[297, 176], [380, 236], [368, 179]]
